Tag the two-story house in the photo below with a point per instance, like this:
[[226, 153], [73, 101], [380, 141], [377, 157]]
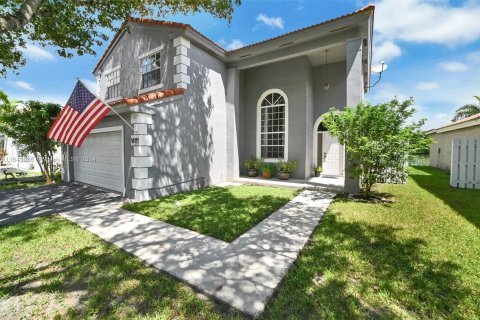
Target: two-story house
[[199, 111]]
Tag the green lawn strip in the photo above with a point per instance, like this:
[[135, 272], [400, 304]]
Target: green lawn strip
[[50, 268], [413, 259], [223, 213], [21, 185]]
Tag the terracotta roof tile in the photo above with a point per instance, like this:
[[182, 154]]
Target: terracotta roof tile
[[185, 26], [149, 97]]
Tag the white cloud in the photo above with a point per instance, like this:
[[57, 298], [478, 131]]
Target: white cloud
[[274, 22], [428, 21], [91, 85], [235, 44], [386, 51], [37, 53], [22, 85], [453, 66], [427, 86]]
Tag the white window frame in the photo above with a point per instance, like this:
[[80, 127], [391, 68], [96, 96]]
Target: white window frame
[[146, 55], [107, 73], [259, 129]]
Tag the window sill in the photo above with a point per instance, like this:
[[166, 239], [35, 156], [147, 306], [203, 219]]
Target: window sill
[[273, 160], [155, 87]]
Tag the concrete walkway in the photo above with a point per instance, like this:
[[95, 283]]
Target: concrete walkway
[[243, 273]]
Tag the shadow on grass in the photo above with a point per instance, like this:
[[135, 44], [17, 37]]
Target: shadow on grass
[[465, 202], [354, 270], [223, 213], [101, 281]]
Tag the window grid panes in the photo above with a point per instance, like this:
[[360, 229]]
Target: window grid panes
[[113, 84], [150, 67], [272, 127]]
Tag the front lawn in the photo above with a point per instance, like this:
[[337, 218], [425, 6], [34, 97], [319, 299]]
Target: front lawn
[[417, 258], [51, 268], [223, 213]]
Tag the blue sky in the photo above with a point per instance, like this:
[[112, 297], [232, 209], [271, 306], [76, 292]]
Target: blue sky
[[432, 49]]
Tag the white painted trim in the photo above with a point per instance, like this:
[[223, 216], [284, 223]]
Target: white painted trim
[[315, 139], [458, 126], [148, 89], [181, 59], [107, 129], [259, 103], [110, 129], [105, 72], [150, 52], [181, 50], [181, 77], [181, 68], [315, 146], [181, 41]]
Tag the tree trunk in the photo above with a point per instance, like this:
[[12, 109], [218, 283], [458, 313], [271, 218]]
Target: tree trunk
[[21, 18]]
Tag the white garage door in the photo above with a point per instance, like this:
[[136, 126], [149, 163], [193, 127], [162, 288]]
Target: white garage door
[[99, 161]]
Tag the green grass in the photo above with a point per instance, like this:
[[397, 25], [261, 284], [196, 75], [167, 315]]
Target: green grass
[[416, 258], [21, 185], [223, 213], [50, 268]]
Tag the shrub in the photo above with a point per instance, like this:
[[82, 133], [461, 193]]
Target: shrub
[[378, 139], [269, 167], [287, 166], [253, 164]]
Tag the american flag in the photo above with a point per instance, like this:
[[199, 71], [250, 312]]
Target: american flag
[[80, 115]]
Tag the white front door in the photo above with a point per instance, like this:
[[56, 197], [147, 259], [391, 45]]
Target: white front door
[[331, 154], [99, 161]]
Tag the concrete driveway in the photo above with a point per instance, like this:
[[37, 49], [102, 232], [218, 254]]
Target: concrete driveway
[[20, 204]]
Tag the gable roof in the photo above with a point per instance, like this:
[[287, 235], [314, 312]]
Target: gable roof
[[188, 27], [459, 124]]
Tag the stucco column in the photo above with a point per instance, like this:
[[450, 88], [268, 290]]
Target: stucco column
[[354, 95], [142, 158], [233, 105]]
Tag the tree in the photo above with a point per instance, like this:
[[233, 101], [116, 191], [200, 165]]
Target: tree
[[28, 126], [76, 26], [467, 110], [377, 139]]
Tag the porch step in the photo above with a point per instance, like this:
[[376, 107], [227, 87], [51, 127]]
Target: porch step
[[325, 186]]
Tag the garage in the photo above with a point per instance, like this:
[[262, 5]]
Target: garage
[[99, 161]]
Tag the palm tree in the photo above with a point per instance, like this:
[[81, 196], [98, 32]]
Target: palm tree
[[467, 110]]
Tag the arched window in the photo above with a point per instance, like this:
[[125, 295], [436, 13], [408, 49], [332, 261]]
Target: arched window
[[272, 125]]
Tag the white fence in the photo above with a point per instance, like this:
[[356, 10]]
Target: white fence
[[465, 169]]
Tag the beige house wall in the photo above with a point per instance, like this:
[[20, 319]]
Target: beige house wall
[[441, 149]]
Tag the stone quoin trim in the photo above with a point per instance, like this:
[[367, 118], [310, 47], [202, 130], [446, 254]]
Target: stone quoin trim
[[182, 62], [141, 159]]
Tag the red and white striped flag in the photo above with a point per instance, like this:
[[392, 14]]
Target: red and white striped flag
[[80, 115]]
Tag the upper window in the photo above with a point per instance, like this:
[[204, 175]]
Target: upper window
[[272, 125], [150, 66], [113, 84]]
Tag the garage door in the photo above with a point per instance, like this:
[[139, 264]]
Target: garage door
[[99, 161]]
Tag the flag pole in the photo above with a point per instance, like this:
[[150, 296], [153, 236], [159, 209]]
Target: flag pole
[[128, 124]]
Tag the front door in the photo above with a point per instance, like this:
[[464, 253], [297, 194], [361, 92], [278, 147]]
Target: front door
[[331, 154]]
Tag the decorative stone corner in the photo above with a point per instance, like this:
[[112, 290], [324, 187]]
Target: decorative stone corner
[[141, 159], [181, 62]]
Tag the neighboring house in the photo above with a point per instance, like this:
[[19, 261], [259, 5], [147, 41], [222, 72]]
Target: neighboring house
[[199, 111], [441, 149], [14, 159]]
